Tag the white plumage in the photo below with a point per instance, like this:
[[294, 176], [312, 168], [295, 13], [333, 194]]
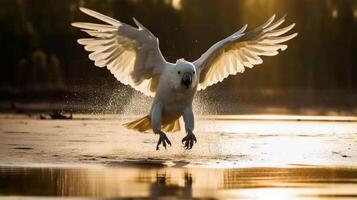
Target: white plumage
[[231, 55], [133, 56]]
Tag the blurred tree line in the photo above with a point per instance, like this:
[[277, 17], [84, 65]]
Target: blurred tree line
[[39, 49]]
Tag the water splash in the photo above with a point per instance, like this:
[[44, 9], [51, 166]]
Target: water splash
[[202, 105], [138, 104], [125, 101], [117, 100]]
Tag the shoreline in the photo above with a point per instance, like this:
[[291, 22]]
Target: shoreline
[[158, 164], [228, 142], [243, 117]]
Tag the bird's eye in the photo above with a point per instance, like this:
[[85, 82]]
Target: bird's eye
[[179, 72], [194, 72]]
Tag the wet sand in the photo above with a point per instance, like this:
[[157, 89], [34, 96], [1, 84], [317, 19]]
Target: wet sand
[[235, 157]]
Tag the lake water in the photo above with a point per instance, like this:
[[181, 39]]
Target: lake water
[[140, 181], [249, 157]]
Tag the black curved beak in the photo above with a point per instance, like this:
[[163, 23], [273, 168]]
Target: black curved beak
[[186, 79]]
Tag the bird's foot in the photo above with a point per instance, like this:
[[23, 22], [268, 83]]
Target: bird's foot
[[188, 140], [162, 139]]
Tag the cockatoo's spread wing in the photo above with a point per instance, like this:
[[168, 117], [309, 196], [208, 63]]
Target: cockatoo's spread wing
[[131, 54], [231, 55]]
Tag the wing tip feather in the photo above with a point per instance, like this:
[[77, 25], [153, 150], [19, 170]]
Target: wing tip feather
[[83, 9], [100, 16], [76, 24], [270, 20]]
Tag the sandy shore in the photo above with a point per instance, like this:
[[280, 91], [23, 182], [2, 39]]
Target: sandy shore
[[221, 143]]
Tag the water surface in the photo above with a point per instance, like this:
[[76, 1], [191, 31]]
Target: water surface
[[249, 157], [179, 183]]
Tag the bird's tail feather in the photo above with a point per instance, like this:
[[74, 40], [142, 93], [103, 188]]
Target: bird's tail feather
[[172, 127], [141, 124], [144, 124]]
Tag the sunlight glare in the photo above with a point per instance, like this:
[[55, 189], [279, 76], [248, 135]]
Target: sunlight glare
[[176, 4], [291, 149], [335, 13], [271, 193]]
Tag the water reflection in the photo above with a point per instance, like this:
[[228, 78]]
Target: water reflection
[[180, 183]]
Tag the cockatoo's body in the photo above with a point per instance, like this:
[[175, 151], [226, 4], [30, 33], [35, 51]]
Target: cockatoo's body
[[133, 56], [171, 101]]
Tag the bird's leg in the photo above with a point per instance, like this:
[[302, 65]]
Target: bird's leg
[[156, 125], [162, 139], [190, 138]]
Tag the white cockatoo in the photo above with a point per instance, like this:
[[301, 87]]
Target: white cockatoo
[[133, 56]]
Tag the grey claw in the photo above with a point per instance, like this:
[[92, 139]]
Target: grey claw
[[189, 140], [183, 139], [168, 142], [163, 139], [158, 144]]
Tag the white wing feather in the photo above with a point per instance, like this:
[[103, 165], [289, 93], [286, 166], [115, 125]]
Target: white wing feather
[[131, 54], [231, 55]]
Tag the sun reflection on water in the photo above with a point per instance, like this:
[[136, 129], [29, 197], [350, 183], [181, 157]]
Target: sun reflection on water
[[181, 183], [269, 193]]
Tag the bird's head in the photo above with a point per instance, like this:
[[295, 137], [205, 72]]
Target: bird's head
[[186, 74]]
